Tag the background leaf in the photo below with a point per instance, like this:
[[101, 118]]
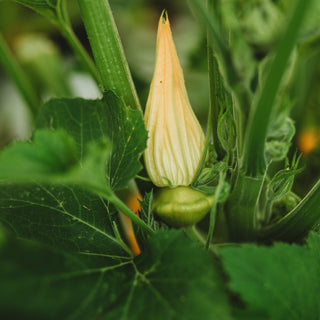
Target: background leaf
[[280, 281]]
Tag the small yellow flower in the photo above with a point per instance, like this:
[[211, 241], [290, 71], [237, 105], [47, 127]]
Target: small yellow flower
[[176, 139]]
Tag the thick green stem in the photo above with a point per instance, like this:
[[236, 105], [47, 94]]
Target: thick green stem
[[18, 76], [241, 208], [107, 50]]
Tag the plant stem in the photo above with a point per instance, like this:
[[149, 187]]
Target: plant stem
[[194, 234], [241, 208], [206, 147], [82, 54], [214, 105], [213, 211], [127, 211], [107, 194], [107, 50], [213, 94], [18, 76], [119, 238]]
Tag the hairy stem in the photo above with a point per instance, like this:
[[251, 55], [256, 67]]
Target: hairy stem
[[107, 50]]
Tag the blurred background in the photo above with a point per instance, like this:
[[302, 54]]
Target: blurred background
[[54, 71]]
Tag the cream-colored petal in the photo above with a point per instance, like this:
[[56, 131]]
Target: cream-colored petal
[[176, 139]]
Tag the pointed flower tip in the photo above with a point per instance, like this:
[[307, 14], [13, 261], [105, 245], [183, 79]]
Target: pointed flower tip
[[176, 139], [164, 16]]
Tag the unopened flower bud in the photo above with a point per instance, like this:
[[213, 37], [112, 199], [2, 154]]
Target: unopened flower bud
[[181, 206], [176, 140]]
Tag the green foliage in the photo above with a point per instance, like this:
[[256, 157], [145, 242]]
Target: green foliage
[[68, 218], [295, 225], [254, 150], [185, 275], [227, 131], [75, 285], [91, 120], [49, 154], [62, 248], [259, 21], [107, 50], [311, 30], [48, 8], [281, 184], [279, 139], [69, 285], [280, 281], [50, 158]]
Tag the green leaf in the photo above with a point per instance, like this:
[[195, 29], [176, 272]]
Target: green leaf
[[174, 279], [51, 158], [64, 217], [50, 154], [280, 281], [47, 160], [38, 282], [48, 8], [91, 120]]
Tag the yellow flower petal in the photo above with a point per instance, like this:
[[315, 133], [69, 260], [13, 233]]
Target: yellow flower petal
[[176, 139]]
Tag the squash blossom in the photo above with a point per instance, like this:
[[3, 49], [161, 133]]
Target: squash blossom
[[176, 140]]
